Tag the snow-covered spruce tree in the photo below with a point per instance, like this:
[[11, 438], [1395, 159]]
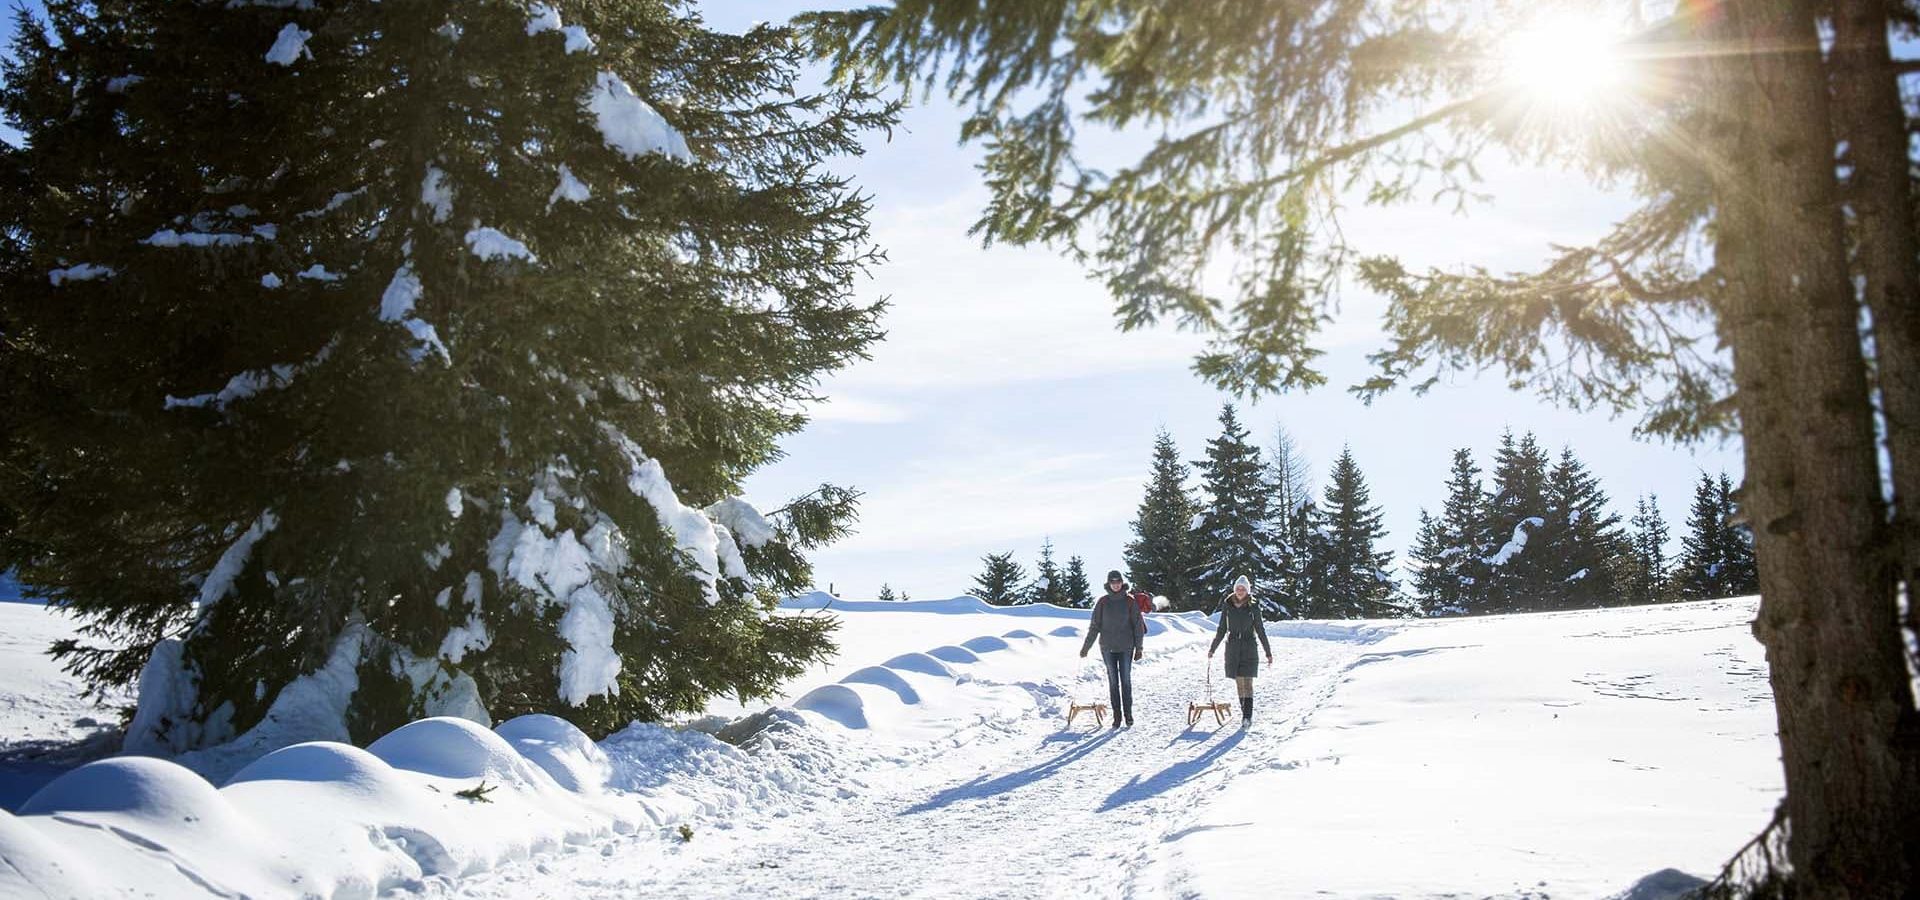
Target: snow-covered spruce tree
[[1716, 556], [1426, 566], [1516, 510], [1161, 556], [1454, 581], [1649, 580], [427, 343], [1354, 581], [1000, 583], [1586, 554], [1048, 585], [1078, 589], [1232, 538]]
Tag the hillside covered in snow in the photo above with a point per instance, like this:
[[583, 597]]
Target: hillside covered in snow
[[1565, 755]]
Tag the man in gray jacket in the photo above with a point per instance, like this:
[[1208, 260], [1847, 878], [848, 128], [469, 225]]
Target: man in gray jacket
[[1121, 628]]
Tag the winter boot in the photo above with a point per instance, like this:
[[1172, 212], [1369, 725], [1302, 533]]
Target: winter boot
[[1129, 718], [1246, 711]]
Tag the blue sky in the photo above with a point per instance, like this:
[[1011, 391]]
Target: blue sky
[[1004, 407]]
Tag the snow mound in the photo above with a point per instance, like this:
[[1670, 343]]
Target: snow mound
[[343, 765], [35, 865], [562, 750], [447, 747], [881, 676], [842, 704], [924, 663], [953, 654], [140, 787]]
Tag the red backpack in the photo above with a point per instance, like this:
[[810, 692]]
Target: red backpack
[[1143, 600]]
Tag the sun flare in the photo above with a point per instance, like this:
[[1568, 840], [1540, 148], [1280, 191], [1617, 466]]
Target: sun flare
[[1565, 63]]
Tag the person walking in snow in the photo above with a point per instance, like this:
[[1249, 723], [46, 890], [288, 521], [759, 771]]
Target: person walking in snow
[[1240, 622], [1121, 629]]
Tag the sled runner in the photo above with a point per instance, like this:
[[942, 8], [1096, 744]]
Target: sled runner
[[1196, 709]]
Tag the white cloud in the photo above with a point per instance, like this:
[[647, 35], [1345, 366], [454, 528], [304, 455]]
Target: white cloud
[[1007, 495], [855, 410]]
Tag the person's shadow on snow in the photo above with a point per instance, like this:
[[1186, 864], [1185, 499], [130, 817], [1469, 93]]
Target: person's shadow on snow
[[982, 786], [1172, 776]]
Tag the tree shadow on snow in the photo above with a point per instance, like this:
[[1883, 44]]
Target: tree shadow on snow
[[1172, 776], [982, 786]]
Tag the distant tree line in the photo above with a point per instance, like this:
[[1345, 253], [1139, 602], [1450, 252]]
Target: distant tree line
[[1541, 536], [1004, 582]]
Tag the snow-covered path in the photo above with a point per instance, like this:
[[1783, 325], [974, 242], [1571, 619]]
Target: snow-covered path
[[1028, 810]]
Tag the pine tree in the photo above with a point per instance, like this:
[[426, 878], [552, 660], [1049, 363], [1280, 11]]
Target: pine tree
[[427, 338], [1048, 585], [1232, 538], [1079, 590], [886, 593], [1584, 554], [1742, 573], [1000, 583], [1162, 556], [1427, 564], [1517, 578], [1649, 580], [1456, 582], [1716, 556], [1354, 581]]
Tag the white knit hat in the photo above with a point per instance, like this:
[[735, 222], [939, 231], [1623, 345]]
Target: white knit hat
[[1243, 581]]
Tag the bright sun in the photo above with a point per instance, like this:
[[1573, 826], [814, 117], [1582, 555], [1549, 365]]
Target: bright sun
[[1564, 63]]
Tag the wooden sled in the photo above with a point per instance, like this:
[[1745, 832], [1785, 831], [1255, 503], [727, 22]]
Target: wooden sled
[[1196, 709], [1099, 711]]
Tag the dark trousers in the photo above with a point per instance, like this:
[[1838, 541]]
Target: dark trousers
[[1120, 682]]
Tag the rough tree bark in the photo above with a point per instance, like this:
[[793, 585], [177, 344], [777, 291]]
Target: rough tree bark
[[1790, 317], [1869, 116]]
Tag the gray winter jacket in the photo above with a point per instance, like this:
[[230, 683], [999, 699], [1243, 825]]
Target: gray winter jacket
[[1117, 622]]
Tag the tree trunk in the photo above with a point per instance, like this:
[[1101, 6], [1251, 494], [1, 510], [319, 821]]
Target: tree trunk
[[1790, 316], [1869, 116]]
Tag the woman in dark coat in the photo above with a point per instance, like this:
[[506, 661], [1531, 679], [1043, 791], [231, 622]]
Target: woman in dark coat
[[1240, 623]]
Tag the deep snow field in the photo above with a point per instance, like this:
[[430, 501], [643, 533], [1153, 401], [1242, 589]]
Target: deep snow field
[[1553, 755]]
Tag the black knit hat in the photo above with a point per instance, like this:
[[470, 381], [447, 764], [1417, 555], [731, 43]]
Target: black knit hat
[[1114, 575]]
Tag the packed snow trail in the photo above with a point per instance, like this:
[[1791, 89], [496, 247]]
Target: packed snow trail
[[1030, 809]]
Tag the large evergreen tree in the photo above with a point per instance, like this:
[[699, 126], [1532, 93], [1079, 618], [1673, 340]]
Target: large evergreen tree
[[1584, 553], [1716, 555], [1518, 576], [1353, 581], [1162, 554], [430, 339], [1049, 583], [1452, 574], [1256, 159], [1649, 579], [1002, 581], [1232, 537], [1078, 588]]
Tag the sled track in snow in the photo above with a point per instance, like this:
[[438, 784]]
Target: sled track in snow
[[1013, 806]]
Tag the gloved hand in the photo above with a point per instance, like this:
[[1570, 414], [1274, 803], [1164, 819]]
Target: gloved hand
[[1137, 653], [1083, 653]]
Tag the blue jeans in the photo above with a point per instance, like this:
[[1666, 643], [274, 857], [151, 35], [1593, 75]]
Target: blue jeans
[[1120, 682]]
